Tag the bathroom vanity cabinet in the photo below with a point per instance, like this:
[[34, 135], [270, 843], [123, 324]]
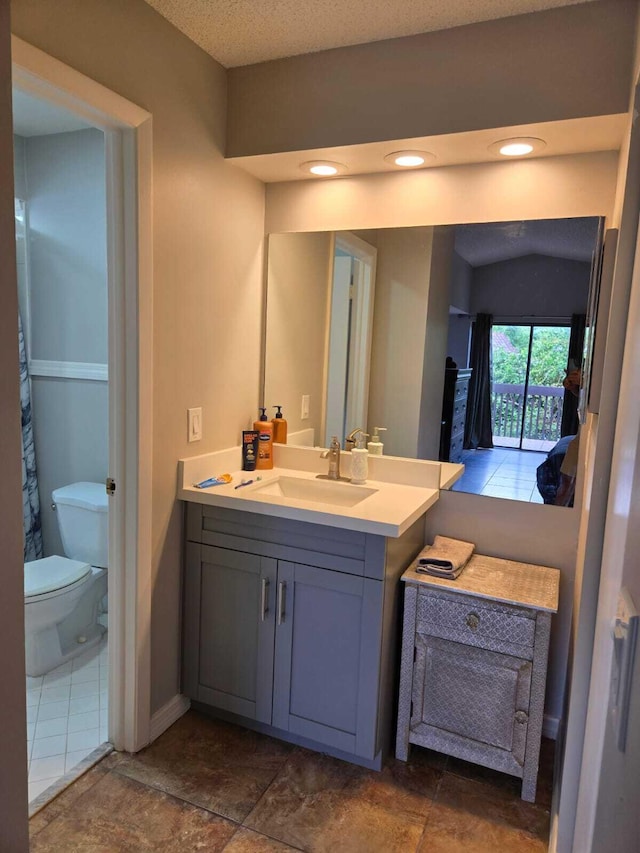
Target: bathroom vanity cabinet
[[290, 627], [474, 664]]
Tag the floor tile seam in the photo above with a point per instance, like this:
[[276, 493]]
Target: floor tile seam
[[433, 800], [297, 750], [264, 835], [179, 798], [41, 812]]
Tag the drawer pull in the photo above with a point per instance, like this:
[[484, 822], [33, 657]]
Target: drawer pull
[[521, 717], [282, 591], [264, 605], [473, 620]]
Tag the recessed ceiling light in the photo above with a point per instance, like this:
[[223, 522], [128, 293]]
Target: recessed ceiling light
[[518, 146], [409, 159], [323, 168]]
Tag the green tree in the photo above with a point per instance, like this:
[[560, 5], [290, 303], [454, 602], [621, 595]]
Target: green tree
[[510, 348]]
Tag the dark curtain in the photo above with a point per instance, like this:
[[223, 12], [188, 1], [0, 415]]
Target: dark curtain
[[477, 430], [569, 424]]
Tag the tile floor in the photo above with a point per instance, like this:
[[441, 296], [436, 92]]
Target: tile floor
[[207, 785], [66, 716], [501, 473]]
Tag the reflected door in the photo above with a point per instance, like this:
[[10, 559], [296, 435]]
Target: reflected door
[[527, 369]]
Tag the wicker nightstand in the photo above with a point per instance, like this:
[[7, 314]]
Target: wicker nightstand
[[474, 664]]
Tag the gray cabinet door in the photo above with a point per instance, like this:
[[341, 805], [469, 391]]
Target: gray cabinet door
[[328, 643], [236, 632], [470, 702]]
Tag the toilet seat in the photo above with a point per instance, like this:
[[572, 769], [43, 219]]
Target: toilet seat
[[52, 575]]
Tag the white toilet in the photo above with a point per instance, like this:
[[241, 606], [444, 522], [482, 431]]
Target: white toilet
[[62, 594]]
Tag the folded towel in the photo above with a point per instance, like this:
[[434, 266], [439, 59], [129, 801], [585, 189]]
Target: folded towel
[[445, 558], [436, 572]]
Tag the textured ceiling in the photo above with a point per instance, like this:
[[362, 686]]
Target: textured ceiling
[[489, 243], [242, 32]]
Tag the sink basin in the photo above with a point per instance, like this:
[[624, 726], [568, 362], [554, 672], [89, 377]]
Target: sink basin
[[317, 491]]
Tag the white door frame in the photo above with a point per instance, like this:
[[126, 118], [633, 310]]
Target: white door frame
[[356, 335], [128, 154]]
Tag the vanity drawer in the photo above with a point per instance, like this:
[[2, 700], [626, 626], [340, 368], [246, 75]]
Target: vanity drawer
[[468, 621]]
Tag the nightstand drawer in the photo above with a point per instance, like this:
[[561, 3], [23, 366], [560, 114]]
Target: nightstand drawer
[[468, 621]]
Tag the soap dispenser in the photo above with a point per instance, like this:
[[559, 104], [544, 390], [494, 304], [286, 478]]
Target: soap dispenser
[[375, 445], [359, 459], [279, 427], [264, 428]]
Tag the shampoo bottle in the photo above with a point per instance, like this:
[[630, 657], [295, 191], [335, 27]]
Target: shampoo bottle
[[279, 427], [264, 429], [359, 460], [375, 445]]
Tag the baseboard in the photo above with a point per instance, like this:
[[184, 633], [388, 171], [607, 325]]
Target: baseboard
[[550, 727], [167, 715]]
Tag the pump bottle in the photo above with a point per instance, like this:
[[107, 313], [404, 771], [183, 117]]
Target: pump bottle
[[375, 445], [264, 428], [279, 427], [359, 459]]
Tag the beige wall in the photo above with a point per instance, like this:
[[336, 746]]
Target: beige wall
[[298, 285], [208, 231], [563, 63], [13, 734], [399, 326], [543, 188]]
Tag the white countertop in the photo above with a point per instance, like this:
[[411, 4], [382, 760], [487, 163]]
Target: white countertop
[[390, 511]]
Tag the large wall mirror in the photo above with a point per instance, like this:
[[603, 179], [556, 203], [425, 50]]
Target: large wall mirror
[[454, 339]]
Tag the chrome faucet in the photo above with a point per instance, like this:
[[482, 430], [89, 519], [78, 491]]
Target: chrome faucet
[[350, 440], [333, 454]]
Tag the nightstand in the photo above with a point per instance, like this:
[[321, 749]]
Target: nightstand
[[474, 664]]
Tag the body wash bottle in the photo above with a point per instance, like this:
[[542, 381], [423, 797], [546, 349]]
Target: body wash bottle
[[375, 445], [264, 429], [279, 427], [359, 459]]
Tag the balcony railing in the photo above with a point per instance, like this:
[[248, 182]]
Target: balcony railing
[[543, 412]]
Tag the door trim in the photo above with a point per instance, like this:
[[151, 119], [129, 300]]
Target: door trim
[[128, 149]]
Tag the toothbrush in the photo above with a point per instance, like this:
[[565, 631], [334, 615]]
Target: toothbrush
[[247, 483]]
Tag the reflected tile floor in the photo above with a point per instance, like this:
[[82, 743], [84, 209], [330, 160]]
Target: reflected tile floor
[[209, 785], [501, 473]]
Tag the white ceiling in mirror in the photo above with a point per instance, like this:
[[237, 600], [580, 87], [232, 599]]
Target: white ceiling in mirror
[[492, 242], [243, 32]]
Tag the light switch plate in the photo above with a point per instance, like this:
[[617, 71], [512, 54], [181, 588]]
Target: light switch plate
[[194, 424], [625, 635], [304, 408]]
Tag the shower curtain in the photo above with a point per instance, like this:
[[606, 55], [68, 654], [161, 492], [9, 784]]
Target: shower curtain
[[30, 498]]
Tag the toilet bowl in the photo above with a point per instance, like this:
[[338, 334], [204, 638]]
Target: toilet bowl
[[63, 594]]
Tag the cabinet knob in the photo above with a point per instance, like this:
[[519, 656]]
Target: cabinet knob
[[473, 620], [521, 717]]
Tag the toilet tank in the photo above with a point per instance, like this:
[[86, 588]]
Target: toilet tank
[[83, 522]]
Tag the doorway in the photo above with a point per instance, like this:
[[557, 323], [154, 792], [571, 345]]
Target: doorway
[[528, 364], [127, 159]]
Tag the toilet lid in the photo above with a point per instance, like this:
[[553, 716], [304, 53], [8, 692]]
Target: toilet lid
[[52, 573]]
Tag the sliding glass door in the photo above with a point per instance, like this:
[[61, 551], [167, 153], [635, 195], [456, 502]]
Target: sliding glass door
[[527, 368]]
